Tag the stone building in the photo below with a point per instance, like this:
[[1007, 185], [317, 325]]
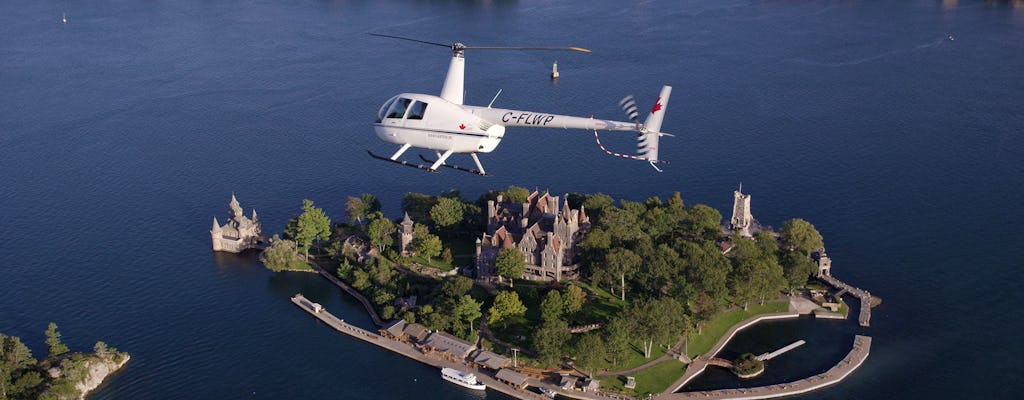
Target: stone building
[[405, 235], [742, 221], [824, 262], [548, 236], [240, 233]]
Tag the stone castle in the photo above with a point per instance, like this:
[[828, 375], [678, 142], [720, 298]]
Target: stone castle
[[547, 237], [742, 221], [240, 233]]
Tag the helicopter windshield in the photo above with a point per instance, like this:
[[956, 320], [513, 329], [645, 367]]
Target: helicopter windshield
[[417, 110], [384, 108], [398, 109]]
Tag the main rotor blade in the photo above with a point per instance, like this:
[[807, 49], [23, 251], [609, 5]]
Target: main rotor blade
[[579, 49], [411, 40]]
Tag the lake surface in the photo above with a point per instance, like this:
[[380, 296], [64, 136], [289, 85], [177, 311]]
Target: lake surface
[[123, 131]]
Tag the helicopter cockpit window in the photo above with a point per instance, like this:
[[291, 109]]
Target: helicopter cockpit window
[[398, 109], [417, 110], [384, 108]]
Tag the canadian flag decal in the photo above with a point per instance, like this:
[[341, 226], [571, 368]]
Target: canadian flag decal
[[462, 126]]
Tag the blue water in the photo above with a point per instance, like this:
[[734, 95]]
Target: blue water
[[125, 130]]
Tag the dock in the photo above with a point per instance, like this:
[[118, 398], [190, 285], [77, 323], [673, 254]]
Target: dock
[[853, 360], [776, 353], [866, 301]]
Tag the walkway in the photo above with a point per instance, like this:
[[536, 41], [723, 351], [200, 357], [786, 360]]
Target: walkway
[[863, 295], [853, 360], [348, 289]]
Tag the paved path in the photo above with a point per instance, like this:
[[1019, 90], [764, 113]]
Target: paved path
[[853, 360]]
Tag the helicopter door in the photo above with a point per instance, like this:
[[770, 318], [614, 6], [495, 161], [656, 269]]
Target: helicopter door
[[397, 111]]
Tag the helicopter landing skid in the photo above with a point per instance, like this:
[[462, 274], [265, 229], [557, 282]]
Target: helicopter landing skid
[[405, 163], [455, 167]]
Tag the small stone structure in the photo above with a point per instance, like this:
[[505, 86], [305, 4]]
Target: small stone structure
[[742, 221], [240, 233], [547, 236], [824, 263]]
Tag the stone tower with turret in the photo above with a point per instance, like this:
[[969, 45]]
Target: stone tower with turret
[[405, 235], [742, 221], [240, 233]]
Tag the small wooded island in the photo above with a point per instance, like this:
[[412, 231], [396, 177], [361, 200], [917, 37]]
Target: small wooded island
[[60, 375], [615, 293]]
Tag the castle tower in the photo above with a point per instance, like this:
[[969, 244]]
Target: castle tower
[[235, 209], [741, 221], [216, 234], [406, 235], [824, 263]]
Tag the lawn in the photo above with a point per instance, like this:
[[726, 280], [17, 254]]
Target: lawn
[[649, 381], [714, 329]]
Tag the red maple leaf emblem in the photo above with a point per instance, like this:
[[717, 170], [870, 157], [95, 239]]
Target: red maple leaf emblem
[[657, 106], [462, 126]]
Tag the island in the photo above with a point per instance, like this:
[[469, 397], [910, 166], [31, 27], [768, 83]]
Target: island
[[61, 375], [577, 294]]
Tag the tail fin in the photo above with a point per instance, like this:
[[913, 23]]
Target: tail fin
[[647, 147]]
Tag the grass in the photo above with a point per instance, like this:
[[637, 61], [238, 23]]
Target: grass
[[599, 307], [435, 262], [649, 381], [714, 330]]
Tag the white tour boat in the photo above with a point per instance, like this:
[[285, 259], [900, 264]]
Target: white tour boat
[[464, 379]]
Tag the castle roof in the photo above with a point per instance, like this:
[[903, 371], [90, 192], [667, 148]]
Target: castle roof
[[216, 225], [407, 220]]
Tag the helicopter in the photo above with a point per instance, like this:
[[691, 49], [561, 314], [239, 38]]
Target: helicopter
[[445, 125]]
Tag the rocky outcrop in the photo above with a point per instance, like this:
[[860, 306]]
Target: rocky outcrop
[[98, 369]]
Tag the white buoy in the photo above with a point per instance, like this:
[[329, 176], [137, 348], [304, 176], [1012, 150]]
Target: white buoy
[[554, 71], [64, 17]]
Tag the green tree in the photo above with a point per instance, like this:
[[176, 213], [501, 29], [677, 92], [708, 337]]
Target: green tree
[[702, 309], [418, 205], [657, 321], [766, 244], [15, 360], [510, 263], [516, 194], [446, 255], [312, 225], [618, 333], [549, 340], [589, 352], [282, 255], [573, 298], [800, 235], [552, 307], [456, 286], [381, 232], [467, 309], [447, 212], [703, 221], [427, 245], [796, 267], [619, 263], [100, 349], [506, 307], [56, 347], [358, 208], [596, 204]]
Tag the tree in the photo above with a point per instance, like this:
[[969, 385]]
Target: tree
[[657, 321], [381, 232], [703, 221], [767, 244], [15, 359], [361, 207], [282, 255], [589, 352], [446, 255], [596, 204], [418, 205], [56, 347], [510, 263], [619, 263], [427, 245], [467, 309], [516, 194], [702, 309], [552, 307], [618, 333], [800, 235], [796, 267], [100, 348], [549, 339], [312, 225], [456, 286], [506, 307], [447, 212], [573, 299]]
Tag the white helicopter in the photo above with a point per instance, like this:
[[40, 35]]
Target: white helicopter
[[447, 126]]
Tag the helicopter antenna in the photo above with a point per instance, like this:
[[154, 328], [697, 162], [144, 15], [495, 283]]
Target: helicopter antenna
[[495, 98]]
